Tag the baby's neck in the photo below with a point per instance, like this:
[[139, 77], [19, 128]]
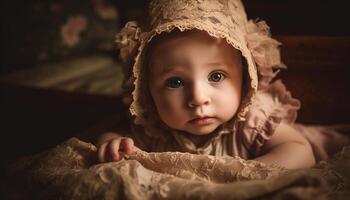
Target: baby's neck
[[199, 140]]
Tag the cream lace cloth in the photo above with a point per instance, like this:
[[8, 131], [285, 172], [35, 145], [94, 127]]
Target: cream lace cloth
[[69, 171]]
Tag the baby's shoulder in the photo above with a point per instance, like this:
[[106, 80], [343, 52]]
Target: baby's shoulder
[[269, 108]]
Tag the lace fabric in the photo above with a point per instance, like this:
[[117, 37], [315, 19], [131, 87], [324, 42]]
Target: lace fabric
[[69, 171]]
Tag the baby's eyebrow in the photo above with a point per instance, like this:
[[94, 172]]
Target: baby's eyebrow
[[167, 69], [218, 64], [180, 66], [215, 63], [173, 65]]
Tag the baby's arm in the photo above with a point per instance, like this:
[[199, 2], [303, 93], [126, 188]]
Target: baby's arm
[[287, 148], [110, 144]]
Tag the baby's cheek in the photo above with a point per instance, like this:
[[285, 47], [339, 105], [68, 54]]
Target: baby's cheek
[[172, 118], [228, 103], [169, 108]]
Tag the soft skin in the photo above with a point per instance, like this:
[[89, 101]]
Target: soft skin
[[195, 81]]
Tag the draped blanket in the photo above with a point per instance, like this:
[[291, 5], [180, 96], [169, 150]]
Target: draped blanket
[[70, 171]]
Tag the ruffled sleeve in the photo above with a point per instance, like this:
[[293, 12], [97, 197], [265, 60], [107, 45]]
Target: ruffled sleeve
[[270, 107]]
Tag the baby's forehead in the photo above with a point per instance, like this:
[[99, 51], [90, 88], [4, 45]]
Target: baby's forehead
[[176, 35], [193, 46], [165, 43]]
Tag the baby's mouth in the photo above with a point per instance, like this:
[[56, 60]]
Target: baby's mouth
[[205, 120]]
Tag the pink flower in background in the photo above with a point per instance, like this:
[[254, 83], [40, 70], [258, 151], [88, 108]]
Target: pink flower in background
[[70, 31], [104, 10]]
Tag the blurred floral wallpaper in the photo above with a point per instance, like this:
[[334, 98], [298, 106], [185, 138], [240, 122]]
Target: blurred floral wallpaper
[[42, 31]]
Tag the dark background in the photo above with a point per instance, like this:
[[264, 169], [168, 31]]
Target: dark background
[[316, 47]]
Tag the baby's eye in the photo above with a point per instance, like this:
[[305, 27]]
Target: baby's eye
[[174, 82], [217, 77]]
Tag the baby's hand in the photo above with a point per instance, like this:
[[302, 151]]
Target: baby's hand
[[111, 149]]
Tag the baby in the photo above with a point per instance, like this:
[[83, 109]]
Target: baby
[[198, 80]]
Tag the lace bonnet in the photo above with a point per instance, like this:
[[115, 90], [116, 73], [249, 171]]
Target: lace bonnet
[[219, 18]]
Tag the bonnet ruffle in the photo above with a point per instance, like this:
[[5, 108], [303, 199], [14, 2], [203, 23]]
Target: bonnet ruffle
[[265, 51]]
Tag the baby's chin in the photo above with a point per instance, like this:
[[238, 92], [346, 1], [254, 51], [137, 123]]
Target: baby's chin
[[205, 130]]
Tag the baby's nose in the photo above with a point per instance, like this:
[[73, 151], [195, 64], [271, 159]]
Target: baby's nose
[[199, 96]]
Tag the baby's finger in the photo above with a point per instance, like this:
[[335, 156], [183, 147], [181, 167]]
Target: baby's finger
[[127, 144], [113, 150], [102, 153]]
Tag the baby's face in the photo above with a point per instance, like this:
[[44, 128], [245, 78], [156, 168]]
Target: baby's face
[[195, 82]]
